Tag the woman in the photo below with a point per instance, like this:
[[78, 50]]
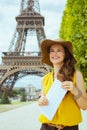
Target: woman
[[59, 55]]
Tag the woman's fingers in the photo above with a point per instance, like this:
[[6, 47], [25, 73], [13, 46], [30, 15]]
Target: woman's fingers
[[42, 101], [67, 85]]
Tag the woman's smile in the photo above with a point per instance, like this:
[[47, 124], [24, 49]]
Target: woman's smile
[[57, 54]]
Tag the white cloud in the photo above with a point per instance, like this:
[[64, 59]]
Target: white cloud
[[52, 12], [8, 12], [52, 22]]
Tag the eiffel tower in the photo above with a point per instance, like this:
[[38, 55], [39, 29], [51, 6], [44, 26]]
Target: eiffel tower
[[17, 63]]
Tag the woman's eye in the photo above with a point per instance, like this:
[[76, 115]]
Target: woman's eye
[[51, 50], [58, 50]]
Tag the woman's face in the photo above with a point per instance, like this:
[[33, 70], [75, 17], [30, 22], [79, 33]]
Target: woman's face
[[57, 54]]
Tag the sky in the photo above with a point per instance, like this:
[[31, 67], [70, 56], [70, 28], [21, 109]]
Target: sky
[[52, 12]]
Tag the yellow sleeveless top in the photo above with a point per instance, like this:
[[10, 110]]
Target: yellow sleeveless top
[[68, 113]]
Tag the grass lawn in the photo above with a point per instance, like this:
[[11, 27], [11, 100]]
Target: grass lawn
[[6, 107]]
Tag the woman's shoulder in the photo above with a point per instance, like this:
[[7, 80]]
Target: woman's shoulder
[[79, 77], [78, 73]]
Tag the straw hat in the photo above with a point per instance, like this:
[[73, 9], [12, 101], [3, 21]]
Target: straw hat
[[47, 43]]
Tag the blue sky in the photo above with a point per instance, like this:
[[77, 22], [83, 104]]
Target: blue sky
[[9, 9]]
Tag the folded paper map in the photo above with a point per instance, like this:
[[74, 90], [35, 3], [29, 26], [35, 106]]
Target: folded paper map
[[54, 96]]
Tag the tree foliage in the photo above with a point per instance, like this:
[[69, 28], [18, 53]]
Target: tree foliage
[[4, 98], [23, 97], [74, 28]]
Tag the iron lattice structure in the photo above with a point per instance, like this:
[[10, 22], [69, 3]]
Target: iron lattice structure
[[17, 63]]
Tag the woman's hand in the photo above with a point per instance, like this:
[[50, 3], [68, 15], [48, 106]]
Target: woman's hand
[[42, 101], [69, 86]]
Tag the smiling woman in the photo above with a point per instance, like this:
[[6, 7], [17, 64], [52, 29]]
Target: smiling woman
[[59, 54]]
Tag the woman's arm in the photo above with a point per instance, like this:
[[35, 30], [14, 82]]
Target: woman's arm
[[80, 91]]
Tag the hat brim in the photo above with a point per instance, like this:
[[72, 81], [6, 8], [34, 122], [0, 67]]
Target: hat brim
[[47, 43]]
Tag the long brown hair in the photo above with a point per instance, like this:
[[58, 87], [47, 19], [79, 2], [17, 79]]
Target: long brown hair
[[68, 68]]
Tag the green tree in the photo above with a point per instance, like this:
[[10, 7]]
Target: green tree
[[14, 93], [23, 97], [74, 28], [23, 94], [4, 98], [21, 91]]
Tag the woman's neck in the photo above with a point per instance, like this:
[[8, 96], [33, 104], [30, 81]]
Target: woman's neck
[[56, 70]]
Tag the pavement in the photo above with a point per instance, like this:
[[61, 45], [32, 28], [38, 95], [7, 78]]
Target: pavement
[[26, 118]]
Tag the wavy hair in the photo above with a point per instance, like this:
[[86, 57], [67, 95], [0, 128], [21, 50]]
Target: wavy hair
[[67, 70]]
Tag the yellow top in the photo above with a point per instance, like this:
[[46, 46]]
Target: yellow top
[[68, 113]]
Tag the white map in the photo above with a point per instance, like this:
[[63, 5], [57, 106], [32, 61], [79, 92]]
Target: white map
[[54, 96]]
